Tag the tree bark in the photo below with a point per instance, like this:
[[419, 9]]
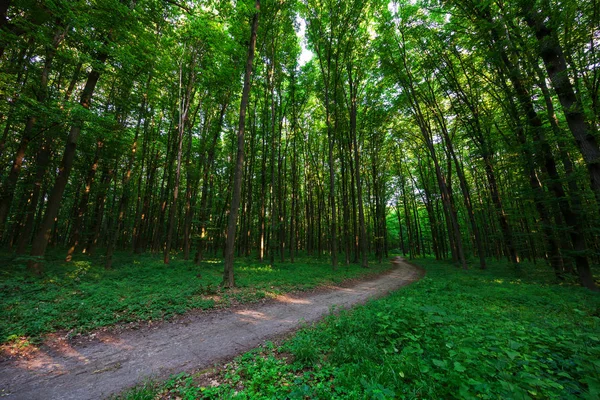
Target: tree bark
[[41, 162], [556, 66], [83, 203], [203, 214], [184, 107], [28, 134], [572, 219], [361, 213], [40, 241], [228, 273], [98, 215]]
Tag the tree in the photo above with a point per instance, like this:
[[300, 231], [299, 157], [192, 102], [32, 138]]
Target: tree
[[228, 273]]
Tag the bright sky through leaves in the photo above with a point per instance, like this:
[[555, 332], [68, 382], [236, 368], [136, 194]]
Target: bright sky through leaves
[[306, 54]]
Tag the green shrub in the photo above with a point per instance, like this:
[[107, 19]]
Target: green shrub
[[455, 334], [81, 295]]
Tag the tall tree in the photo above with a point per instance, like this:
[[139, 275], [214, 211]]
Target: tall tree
[[228, 273]]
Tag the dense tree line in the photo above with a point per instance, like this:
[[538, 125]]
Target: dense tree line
[[462, 129]]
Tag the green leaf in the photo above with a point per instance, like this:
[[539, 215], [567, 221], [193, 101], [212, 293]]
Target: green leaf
[[459, 367]]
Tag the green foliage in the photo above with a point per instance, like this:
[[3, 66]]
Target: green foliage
[[80, 296], [454, 334]]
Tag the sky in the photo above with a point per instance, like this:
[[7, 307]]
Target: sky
[[306, 54]]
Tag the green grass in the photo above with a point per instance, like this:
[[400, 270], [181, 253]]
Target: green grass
[[495, 334], [81, 296]]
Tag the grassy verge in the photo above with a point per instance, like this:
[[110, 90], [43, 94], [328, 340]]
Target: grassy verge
[[490, 334], [81, 296]]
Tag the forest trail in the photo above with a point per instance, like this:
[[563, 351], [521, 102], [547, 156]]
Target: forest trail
[[110, 363]]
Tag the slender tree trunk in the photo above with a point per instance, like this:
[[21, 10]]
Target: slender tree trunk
[[184, 106], [41, 95], [247, 234], [400, 230], [73, 81], [98, 215], [423, 123], [551, 242], [407, 218], [83, 204], [293, 211], [571, 218], [273, 188], [127, 189], [41, 162], [333, 225], [556, 66], [40, 241], [190, 196], [353, 133], [477, 135], [191, 187], [158, 228], [464, 186], [228, 273], [203, 214], [263, 179], [20, 81], [144, 218], [281, 167], [500, 213]]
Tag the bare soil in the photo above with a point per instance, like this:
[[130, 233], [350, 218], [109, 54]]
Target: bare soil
[[108, 362]]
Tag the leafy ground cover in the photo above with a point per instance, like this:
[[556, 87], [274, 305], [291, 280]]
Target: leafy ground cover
[[81, 296], [500, 333]]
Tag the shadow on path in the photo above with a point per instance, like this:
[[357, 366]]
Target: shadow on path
[[111, 363]]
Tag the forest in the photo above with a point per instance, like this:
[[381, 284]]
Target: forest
[[456, 129], [205, 136]]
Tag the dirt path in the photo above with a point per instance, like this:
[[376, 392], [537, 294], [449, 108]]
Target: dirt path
[[111, 363]]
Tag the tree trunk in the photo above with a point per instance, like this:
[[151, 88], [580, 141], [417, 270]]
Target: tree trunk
[[273, 189], [40, 241], [361, 213], [41, 163], [228, 273], [203, 214], [28, 134], [98, 215], [83, 203], [556, 66], [184, 107], [571, 218]]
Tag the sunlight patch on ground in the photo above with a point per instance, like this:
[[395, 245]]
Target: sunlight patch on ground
[[66, 350], [290, 300], [252, 317], [81, 268], [347, 290], [116, 342], [43, 362], [257, 268], [503, 281]]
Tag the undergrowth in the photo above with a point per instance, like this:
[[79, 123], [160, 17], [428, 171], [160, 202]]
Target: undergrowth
[[495, 334], [81, 295]]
